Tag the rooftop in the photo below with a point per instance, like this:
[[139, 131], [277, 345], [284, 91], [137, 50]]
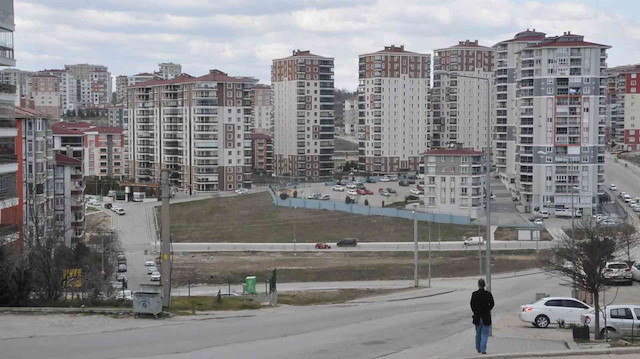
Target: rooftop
[[213, 75], [66, 160], [469, 44], [22, 112], [80, 128], [393, 49], [454, 152]]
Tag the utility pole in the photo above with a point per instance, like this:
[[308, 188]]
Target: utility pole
[[430, 222], [488, 194], [415, 250], [165, 258]]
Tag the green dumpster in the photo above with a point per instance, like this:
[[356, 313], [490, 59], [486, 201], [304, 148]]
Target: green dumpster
[[251, 285], [615, 159]]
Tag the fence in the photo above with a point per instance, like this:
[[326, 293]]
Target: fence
[[366, 210]]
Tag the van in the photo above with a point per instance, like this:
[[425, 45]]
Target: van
[[566, 213], [544, 214], [347, 242], [474, 241]]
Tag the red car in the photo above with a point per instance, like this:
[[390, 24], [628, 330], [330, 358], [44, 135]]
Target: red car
[[321, 245], [380, 190], [361, 191], [366, 191], [421, 187]]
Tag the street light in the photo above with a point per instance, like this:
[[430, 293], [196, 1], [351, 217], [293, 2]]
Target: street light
[[488, 169]]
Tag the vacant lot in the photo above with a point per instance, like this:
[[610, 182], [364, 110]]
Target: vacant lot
[[254, 218], [223, 267]]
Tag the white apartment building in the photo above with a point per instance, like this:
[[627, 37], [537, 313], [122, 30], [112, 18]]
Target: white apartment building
[[303, 115], [351, 116], [17, 78], [199, 128], [455, 181], [505, 126], [393, 110], [43, 94], [460, 104], [122, 82], [142, 77], [168, 70], [623, 107], [92, 85], [262, 109], [561, 109]]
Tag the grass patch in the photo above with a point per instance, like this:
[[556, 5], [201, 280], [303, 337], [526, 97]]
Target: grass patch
[[186, 305], [344, 145], [254, 218], [90, 209], [328, 297]]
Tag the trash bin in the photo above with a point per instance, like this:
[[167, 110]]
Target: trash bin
[[251, 284]]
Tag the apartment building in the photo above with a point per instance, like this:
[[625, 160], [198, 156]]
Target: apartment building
[[262, 109], [141, 77], [351, 116], [168, 70], [17, 78], [262, 153], [561, 112], [623, 106], [122, 82], [455, 181], [393, 112], [303, 115], [104, 152], [69, 199], [36, 164], [504, 95], [9, 206], [118, 116], [460, 104], [199, 128], [92, 84], [43, 94]]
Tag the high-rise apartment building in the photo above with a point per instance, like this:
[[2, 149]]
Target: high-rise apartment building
[[262, 152], [122, 82], [92, 85], [505, 124], [460, 104], [17, 78], [561, 112], [199, 128], [623, 106], [9, 206], [43, 95], [303, 115], [393, 111], [351, 116], [168, 70], [142, 77], [262, 109]]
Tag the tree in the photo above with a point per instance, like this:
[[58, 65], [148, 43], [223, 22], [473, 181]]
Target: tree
[[15, 277], [295, 194], [580, 259], [348, 200], [628, 238]]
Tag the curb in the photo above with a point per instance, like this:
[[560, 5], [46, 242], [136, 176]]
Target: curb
[[608, 351], [55, 310]]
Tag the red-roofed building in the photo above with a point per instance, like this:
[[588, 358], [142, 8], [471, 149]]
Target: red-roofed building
[[454, 181]]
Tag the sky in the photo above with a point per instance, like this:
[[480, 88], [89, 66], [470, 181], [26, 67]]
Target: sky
[[242, 37]]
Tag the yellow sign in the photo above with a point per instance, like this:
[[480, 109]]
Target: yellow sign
[[72, 277], [165, 256]]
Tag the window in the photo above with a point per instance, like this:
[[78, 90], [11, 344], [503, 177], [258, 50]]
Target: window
[[554, 303], [621, 313], [550, 91], [574, 304]]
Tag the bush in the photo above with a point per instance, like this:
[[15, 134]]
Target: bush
[[284, 196], [366, 202], [295, 194], [347, 200]]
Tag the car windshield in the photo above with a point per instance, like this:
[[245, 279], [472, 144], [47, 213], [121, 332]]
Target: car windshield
[[617, 266]]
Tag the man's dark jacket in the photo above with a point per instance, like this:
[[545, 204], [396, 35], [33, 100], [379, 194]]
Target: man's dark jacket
[[481, 305]]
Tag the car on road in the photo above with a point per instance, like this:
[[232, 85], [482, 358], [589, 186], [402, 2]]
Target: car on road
[[351, 186], [385, 193], [322, 245], [155, 277], [149, 263], [473, 241], [122, 267], [544, 214], [416, 191], [126, 294], [635, 271], [324, 197], [108, 205], [411, 198], [242, 191], [151, 270], [538, 222], [617, 272], [347, 242], [338, 188], [384, 179], [621, 318], [613, 187], [119, 211], [391, 190], [352, 192], [552, 310]]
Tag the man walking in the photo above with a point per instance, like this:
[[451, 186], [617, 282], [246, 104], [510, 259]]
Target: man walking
[[481, 305]]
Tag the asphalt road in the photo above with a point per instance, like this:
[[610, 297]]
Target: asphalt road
[[435, 324]]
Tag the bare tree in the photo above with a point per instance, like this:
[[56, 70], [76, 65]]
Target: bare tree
[[628, 237], [580, 259]]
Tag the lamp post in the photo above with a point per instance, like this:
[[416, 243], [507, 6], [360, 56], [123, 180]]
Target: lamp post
[[294, 228], [488, 169]]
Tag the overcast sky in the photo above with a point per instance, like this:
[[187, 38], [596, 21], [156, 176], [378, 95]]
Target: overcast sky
[[241, 37]]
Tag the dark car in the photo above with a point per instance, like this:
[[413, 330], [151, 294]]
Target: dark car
[[370, 180], [412, 181], [403, 183], [108, 205], [391, 190], [411, 198], [347, 242]]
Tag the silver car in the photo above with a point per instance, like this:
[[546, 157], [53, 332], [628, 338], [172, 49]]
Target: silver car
[[621, 318]]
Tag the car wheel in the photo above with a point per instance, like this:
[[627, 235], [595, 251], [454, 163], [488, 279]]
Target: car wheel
[[605, 332], [542, 321]]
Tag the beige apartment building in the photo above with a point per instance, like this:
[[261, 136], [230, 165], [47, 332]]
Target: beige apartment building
[[262, 109]]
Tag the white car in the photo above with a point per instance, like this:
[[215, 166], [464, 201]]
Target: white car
[[115, 208], [151, 270], [352, 192], [621, 318], [550, 310], [415, 191], [155, 277], [613, 187], [608, 223], [601, 217], [473, 241], [635, 271], [94, 202], [119, 211], [116, 285], [338, 188], [384, 179], [126, 294], [351, 186], [149, 263], [617, 272], [627, 198], [632, 203], [242, 191], [324, 197], [538, 222], [544, 214], [420, 176]]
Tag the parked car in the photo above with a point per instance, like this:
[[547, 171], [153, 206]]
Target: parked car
[[94, 202], [325, 197], [621, 318], [368, 191], [608, 223], [361, 191], [347, 242], [391, 190], [403, 183], [242, 191], [314, 196], [618, 272], [116, 285], [121, 258], [114, 208], [111, 193], [420, 187], [370, 180], [119, 211], [613, 187], [149, 263], [121, 277], [155, 277], [392, 178], [126, 294], [351, 186], [420, 176], [360, 186], [151, 270], [384, 179], [627, 198], [385, 193], [338, 188], [550, 310], [321, 245], [538, 222], [122, 267], [416, 191], [411, 181], [352, 192], [411, 198], [544, 214], [473, 241]]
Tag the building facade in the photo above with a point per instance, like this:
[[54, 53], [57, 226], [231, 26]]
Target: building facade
[[460, 104], [91, 84], [122, 82], [69, 199], [104, 152], [198, 128], [262, 153], [17, 78], [623, 106], [561, 115], [393, 111], [43, 95], [455, 181], [351, 116], [168, 70], [504, 95], [303, 115], [262, 109]]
